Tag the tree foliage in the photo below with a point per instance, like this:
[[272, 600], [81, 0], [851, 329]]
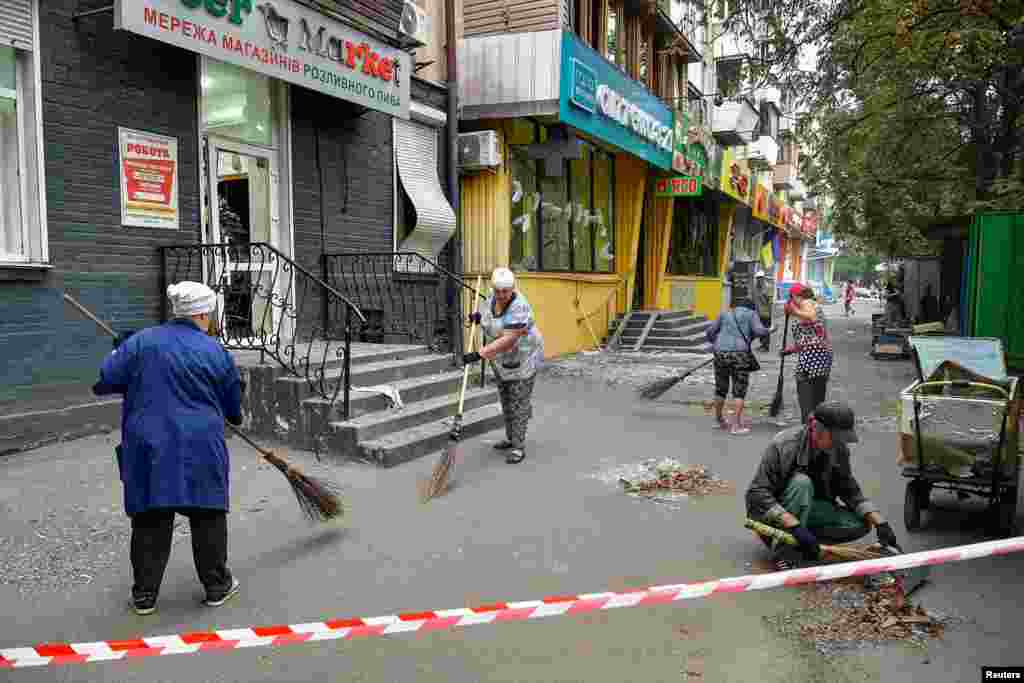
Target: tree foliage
[[914, 108]]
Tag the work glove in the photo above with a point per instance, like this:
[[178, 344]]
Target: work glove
[[887, 537], [122, 337], [456, 433], [807, 542], [474, 318], [470, 358]]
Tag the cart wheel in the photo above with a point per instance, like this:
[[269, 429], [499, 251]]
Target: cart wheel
[[912, 507]]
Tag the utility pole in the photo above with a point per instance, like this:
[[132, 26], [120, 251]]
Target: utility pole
[[454, 289]]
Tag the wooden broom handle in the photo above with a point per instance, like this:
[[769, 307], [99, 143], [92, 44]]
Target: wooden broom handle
[[109, 330], [472, 343]]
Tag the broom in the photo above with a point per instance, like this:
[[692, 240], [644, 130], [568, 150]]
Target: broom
[[843, 552], [776, 405], [441, 474], [319, 499], [654, 390]]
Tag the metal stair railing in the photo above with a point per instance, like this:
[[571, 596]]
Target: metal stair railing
[[271, 304]]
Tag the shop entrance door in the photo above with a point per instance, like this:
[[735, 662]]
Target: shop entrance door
[[242, 195]]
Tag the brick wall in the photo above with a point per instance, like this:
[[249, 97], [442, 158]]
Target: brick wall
[[94, 80]]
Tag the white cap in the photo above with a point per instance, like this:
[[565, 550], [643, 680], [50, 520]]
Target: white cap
[[503, 278], [191, 298]]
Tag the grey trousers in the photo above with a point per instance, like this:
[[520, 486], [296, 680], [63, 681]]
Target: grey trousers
[[516, 406]]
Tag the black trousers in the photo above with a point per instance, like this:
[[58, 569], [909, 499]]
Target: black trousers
[[152, 535], [767, 322], [811, 393]]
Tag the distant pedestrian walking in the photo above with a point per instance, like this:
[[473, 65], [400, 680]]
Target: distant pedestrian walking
[[765, 304], [848, 297], [811, 341], [179, 386], [731, 334]]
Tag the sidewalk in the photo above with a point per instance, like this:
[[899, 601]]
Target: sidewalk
[[857, 378]]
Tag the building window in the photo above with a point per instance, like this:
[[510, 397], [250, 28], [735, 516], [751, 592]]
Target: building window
[[614, 32], [566, 222], [22, 205], [239, 103], [693, 249], [730, 76]]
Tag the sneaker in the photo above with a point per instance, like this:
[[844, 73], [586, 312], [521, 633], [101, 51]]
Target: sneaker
[[515, 456], [232, 592], [503, 445], [144, 605], [739, 429]]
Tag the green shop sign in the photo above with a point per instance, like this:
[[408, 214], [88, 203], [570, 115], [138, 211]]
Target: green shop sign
[[600, 100], [282, 39], [679, 186]]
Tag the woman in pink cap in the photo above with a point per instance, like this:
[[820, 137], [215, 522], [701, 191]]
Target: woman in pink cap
[[810, 340]]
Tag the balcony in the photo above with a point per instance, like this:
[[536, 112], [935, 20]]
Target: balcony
[[735, 122], [762, 154], [673, 19]]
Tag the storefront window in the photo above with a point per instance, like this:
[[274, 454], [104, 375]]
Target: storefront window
[[603, 216], [238, 103], [694, 246], [555, 214], [580, 187], [525, 202], [568, 218]]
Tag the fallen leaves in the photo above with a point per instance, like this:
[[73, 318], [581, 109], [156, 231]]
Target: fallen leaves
[[849, 613], [692, 480]]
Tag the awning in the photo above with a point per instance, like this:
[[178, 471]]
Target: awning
[[416, 155]]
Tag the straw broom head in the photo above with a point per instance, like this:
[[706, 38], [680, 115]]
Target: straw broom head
[[440, 476], [319, 499], [654, 390]]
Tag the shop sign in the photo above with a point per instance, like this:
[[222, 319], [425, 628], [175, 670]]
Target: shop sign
[[735, 177], [282, 39], [792, 219], [775, 214], [148, 166], [761, 204], [623, 113], [809, 223], [679, 186]]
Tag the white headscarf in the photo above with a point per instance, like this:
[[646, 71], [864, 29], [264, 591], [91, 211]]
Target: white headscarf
[[191, 298]]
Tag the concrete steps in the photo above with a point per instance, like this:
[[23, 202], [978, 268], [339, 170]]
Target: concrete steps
[[431, 437], [286, 407], [671, 331]]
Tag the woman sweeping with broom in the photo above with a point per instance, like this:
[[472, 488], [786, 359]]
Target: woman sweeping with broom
[[179, 387], [516, 347]]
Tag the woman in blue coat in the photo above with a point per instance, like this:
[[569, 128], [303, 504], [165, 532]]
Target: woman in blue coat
[[179, 386]]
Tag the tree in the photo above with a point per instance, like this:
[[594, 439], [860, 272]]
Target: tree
[[915, 108]]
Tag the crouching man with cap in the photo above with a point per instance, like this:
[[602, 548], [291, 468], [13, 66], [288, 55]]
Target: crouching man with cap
[[802, 474], [179, 386], [516, 347]]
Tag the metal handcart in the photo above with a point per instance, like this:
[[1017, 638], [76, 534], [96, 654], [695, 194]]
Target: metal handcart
[[959, 428]]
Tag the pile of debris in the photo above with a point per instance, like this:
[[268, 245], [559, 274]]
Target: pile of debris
[[845, 615], [672, 477]]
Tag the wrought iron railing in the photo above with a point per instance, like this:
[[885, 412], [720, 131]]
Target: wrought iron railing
[[405, 297], [270, 304]]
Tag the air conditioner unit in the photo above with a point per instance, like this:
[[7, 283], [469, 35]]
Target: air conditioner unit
[[481, 149], [415, 23]]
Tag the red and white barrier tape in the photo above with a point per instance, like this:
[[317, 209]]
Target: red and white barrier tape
[[260, 636]]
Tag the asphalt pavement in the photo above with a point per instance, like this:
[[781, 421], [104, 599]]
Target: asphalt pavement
[[556, 524]]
